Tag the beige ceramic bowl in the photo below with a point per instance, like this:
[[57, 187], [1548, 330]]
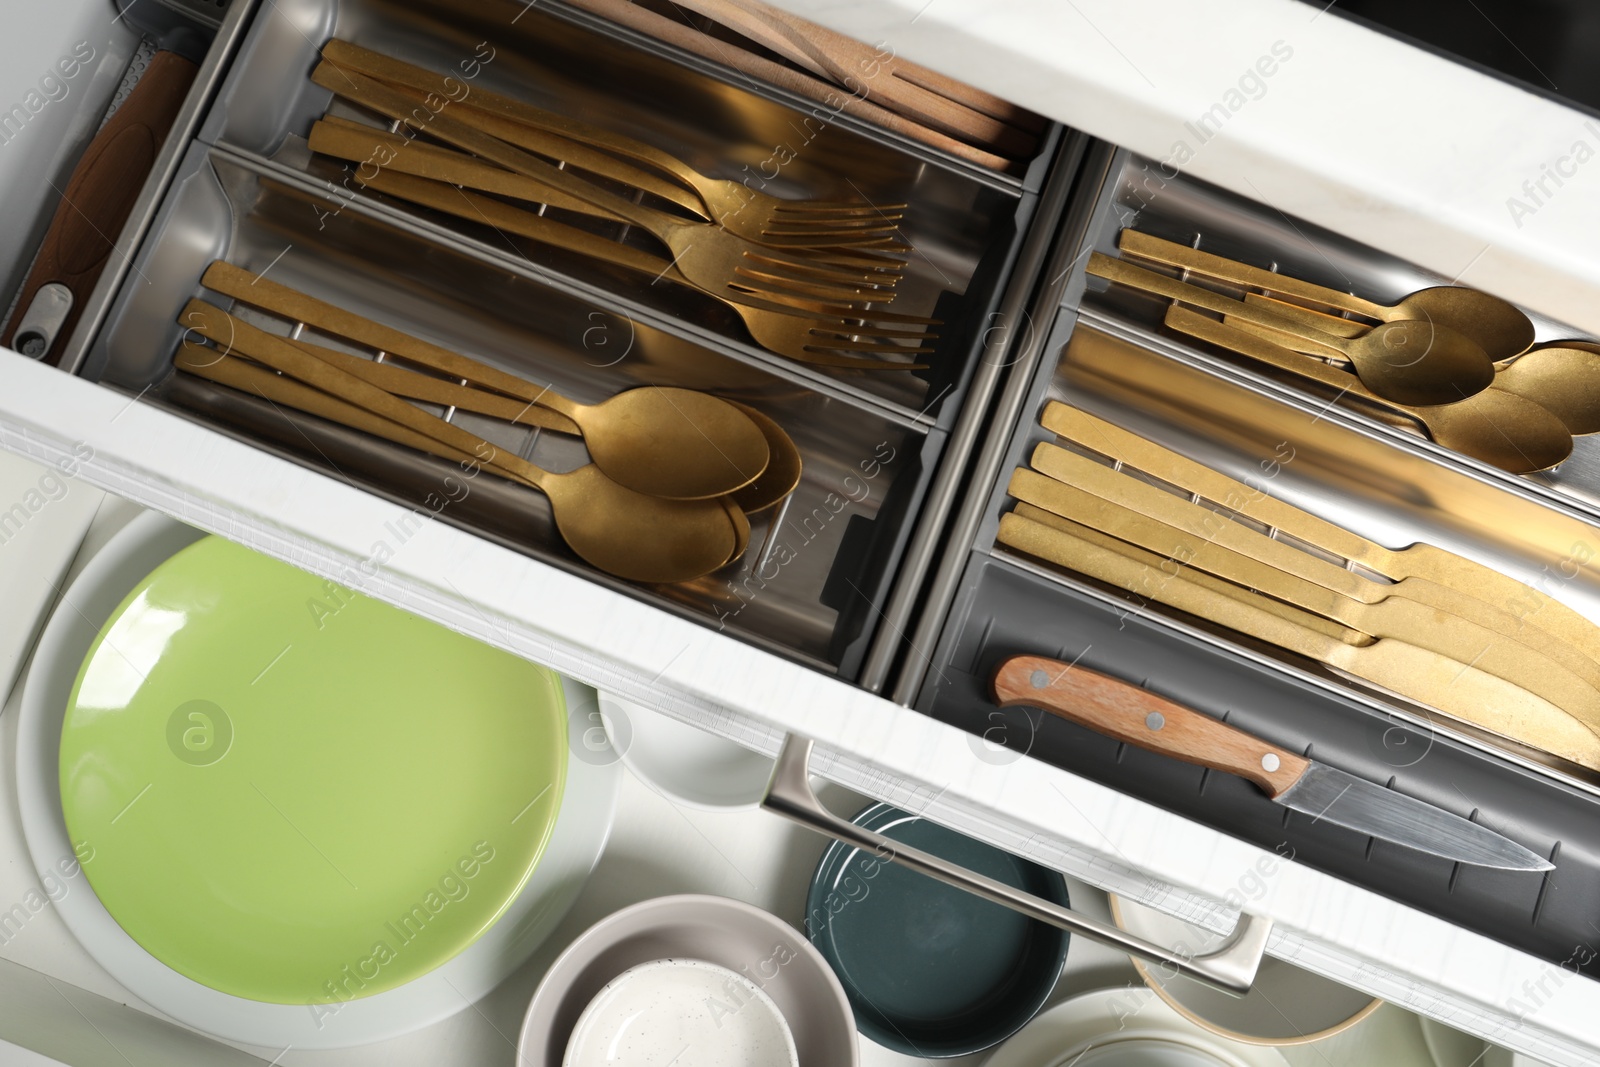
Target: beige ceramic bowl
[[1285, 1006]]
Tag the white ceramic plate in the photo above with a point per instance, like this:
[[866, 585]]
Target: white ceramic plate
[[682, 763], [1287, 1005], [729, 933], [1072, 1031], [688, 1013], [587, 806]]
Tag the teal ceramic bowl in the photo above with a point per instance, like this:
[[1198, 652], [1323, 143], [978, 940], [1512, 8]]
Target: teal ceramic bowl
[[932, 970]]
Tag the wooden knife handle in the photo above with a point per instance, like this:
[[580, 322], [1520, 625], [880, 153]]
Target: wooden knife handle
[[100, 195], [1139, 717]]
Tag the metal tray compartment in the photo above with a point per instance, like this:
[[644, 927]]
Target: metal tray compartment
[[1101, 355], [964, 228], [815, 564]]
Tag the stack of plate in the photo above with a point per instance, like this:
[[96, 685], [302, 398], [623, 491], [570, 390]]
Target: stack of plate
[[307, 818]]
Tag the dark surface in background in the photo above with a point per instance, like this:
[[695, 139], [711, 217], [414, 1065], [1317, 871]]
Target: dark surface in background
[[1549, 46]]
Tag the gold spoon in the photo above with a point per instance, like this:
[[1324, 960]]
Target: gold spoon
[[629, 534], [783, 469], [1561, 376], [1418, 363], [777, 481], [1497, 326], [1497, 427], [676, 443]]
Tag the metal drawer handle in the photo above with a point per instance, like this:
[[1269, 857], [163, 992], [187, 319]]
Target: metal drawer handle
[[1231, 967]]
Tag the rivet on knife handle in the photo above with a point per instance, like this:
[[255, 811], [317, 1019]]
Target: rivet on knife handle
[[1139, 717]]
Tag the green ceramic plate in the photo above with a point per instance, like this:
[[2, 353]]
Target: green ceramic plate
[[293, 791]]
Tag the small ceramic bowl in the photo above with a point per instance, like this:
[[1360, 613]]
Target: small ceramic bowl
[[689, 1013], [1285, 1006], [682, 763], [729, 933], [932, 970]]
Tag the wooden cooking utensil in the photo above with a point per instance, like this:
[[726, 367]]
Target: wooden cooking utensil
[[733, 205], [709, 254], [1464, 692], [681, 35], [1130, 511], [622, 532], [676, 443], [938, 102], [1406, 361], [1496, 426], [792, 326], [1528, 607], [1496, 326]]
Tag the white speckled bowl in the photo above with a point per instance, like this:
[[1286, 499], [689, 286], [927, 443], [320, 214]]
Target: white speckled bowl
[[688, 1013]]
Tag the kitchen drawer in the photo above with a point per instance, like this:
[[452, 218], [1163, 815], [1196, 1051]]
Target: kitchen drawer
[[792, 661]]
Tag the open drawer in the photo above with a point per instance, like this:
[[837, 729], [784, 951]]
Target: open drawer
[[763, 651]]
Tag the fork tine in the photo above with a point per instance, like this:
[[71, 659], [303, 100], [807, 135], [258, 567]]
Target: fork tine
[[863, 346], [789, 218], [790, 267], [807, 240], [807, 206], [786, 291], [871, 330], [852, 227], [869, 266]]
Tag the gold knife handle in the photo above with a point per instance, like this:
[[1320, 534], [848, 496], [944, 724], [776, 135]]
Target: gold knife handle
[[1139, 717]]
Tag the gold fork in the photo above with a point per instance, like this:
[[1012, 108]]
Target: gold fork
[[702, 251], [810, 332], [735, 206]]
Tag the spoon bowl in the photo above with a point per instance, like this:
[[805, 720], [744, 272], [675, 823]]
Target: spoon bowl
[[638, 537], [671, 442], [1496, 325], [1415, 362], [1563, 377], [783, 467]]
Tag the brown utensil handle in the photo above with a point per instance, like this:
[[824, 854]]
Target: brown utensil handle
[[243, 285], [825, 93], [101, 193], [915, 92], [1139, 717]]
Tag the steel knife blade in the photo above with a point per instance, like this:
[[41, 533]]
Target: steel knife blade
[[1139, 717]]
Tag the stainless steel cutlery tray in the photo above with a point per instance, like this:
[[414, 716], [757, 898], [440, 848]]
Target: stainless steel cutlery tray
[[822, 564], [1106, 352]]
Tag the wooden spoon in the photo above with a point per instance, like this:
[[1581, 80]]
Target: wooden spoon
[[629, 534], [1497, 427], [1409, 362], [668, 442]]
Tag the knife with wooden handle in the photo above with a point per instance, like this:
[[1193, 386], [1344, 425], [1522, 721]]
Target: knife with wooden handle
[[1139, 717]]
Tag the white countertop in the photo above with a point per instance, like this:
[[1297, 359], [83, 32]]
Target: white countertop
[[1353, 130]]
